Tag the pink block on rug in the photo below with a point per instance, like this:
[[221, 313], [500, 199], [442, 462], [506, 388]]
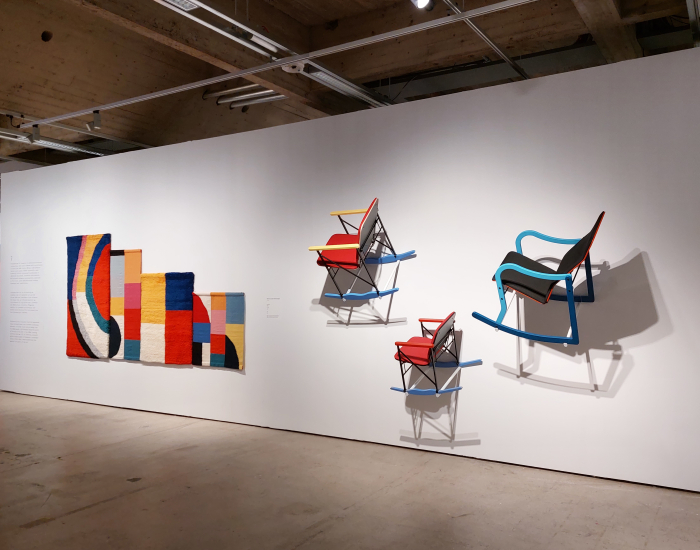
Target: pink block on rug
[[132, 296], [218, 321]]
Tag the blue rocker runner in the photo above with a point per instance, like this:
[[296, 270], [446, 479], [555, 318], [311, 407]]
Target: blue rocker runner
[[425, 354], [537, 281], [353, 252]]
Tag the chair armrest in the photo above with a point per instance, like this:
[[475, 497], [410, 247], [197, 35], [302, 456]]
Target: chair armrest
[[531, 273], [334, 247], [348, 212], [542, 236], [414, 344], [430, 320]]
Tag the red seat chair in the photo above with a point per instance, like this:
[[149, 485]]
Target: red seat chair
[[353, 252], [433, 350]]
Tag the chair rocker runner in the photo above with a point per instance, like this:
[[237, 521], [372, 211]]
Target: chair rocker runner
[[350, 252], [537, 281], [424, 354]]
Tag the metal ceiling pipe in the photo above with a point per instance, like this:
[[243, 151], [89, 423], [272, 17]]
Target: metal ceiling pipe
[[481, 34], [241, 97], [209, 95], [75, 129], [247, 102], [435, 23]]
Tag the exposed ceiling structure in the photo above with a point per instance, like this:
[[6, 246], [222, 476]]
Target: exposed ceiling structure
[[301, 59]]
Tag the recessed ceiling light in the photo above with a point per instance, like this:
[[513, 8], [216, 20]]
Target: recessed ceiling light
[[183, 4]]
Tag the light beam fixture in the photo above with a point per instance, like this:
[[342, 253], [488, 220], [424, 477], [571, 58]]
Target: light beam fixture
[[426, 5], [182, 4]]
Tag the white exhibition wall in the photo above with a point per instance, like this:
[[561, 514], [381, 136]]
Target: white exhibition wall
[[458, 177]]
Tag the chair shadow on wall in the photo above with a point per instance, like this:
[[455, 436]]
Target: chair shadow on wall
[[434, 418], [627, 303], [359, 313]]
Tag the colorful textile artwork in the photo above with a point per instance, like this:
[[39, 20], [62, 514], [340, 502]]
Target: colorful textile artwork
[[125, 305], [166, 317], [88, 296], [218, 336]]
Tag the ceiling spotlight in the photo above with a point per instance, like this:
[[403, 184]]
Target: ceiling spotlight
[[426, 5]]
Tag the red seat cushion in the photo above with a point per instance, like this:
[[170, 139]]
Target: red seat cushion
[[340, 258], [419, 356]]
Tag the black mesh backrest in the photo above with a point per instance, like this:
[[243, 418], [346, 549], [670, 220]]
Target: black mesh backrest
[[367, 223], [577, 253], [444, 329]]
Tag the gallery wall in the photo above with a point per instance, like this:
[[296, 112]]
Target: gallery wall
[[458, 177]]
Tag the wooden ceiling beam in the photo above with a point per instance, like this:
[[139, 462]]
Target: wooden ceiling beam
[[531, 28], [638, 11], [616, 40], [165, 27]]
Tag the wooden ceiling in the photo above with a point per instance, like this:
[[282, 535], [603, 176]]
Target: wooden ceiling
[[106, 50], [314, 12]]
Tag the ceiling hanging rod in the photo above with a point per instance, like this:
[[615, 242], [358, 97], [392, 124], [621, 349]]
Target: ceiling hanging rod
[[251, 95], [293, 59], [481, 34], [248, 102]]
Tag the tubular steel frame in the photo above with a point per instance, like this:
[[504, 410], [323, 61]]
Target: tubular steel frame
[[444, 346]]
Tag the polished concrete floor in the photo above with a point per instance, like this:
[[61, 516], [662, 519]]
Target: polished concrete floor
[[76, 476]]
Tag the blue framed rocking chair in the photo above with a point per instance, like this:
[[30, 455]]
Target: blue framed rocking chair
[[537, 281]]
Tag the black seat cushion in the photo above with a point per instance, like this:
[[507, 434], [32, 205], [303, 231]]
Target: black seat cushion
[[537, 289]]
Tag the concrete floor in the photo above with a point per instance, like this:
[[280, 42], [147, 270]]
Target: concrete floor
[[83, 476]]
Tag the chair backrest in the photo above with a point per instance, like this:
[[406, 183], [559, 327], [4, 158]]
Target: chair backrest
[[367, 223], [577, 253], [443, 330]]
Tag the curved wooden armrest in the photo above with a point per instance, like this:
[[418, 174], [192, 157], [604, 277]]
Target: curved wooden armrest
[[348, 212], [334, 247], [430, 320], [414, 344]]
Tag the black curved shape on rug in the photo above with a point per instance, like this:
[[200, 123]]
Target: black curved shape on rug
[[231, 357], [115, 337]]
